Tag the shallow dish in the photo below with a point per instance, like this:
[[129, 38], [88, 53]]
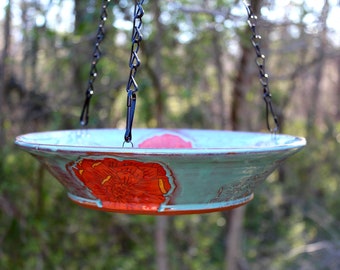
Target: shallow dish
[[166, 172]]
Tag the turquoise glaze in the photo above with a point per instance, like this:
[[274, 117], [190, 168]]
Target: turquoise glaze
[[166, 172]]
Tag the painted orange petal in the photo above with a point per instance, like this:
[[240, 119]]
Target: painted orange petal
[[131, 190], [151, 198], [150, 172], [130, 170], [111, 162], [155, 186]]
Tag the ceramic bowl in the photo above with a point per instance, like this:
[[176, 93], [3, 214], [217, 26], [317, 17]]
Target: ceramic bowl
[[165, 172]]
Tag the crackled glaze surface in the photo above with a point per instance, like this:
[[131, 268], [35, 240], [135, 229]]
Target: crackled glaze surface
[[167, 172]]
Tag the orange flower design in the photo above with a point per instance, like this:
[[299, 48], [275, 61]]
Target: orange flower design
[[124, 182]]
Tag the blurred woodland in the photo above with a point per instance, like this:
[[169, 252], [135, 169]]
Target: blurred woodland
[[198, 71]]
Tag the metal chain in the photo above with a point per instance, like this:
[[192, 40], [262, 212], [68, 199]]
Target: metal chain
[[261, 63], [84, 117], [134, 63]]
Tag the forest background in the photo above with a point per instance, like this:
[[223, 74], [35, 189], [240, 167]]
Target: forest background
[[198, 71]]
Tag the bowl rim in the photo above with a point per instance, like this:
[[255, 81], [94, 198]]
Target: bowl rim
[[24, 141]]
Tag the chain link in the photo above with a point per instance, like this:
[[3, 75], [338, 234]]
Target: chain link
[[261, 64], [134, 63], [84, 117]]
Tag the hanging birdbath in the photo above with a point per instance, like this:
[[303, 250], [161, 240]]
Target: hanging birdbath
[[164, 171]]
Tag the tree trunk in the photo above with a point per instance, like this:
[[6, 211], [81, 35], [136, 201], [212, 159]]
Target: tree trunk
[[217, 41], [314, 94], [161, 221], [158, 64], [315, 91], [233, 255], [218, 56], [338, 92], [4, 72], [293, 79], [26, 40], [241, 84], [80, 62], [162, 261], [233, 258]]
